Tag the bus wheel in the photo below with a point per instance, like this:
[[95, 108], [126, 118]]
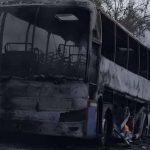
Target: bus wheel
[[104, 135], [106, 131]]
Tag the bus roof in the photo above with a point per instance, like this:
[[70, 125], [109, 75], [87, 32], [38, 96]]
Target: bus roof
[[86, 4], [83, 3], [58, 3]]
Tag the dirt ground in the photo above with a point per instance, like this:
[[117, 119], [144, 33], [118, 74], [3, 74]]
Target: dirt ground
[[34, 142]]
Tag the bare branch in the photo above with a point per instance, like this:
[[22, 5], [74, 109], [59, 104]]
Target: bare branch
[[130, 13]]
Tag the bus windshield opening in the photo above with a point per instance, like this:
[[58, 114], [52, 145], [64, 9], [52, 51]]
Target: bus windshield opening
[[42, 40]]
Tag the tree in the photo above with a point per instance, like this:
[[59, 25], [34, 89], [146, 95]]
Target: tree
[[132, 14]]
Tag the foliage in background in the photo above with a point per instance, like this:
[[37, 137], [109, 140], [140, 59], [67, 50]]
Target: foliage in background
[[133, 14]]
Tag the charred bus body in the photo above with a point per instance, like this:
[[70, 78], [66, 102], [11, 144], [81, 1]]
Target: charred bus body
[[68, 69]]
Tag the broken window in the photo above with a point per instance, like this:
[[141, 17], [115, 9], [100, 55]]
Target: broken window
[[67, 45], [14, 33], [47, 40], [40, 36], [15, 61], [143, 61], [134, 56], [121, 47], [108, 38]]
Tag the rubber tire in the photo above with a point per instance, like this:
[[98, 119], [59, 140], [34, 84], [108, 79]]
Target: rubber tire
[[105, 133]]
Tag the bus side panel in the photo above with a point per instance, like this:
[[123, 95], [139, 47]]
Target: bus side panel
[[92, 121]]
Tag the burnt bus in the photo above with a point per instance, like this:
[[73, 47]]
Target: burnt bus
[[67, 69]]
